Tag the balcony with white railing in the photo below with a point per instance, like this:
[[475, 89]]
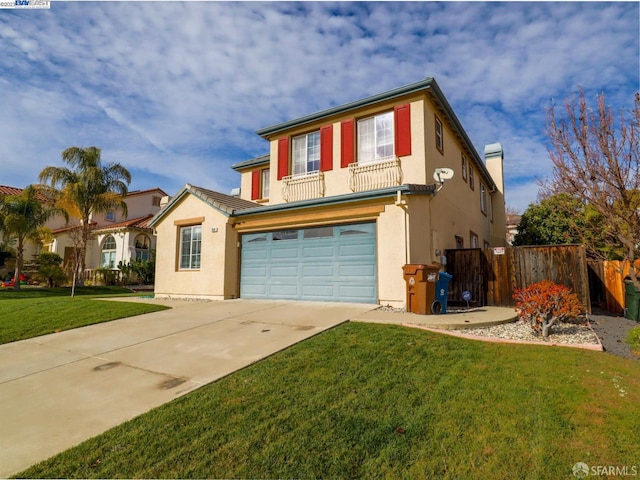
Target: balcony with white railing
[[375, 175], [305, 186]]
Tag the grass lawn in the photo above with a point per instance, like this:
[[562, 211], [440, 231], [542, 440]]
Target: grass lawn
[[381, 401], [31, 312]]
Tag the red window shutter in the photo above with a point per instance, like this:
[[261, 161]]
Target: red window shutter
[[326, 148], [347, 142], [255, 184], [283, 157], [402, 129]]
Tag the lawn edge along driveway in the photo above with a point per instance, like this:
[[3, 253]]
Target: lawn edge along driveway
[[66, 387]]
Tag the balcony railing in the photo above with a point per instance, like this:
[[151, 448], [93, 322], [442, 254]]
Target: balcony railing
[[371, 176], [304, 186]]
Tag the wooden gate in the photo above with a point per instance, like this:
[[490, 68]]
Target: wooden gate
[[492, 275]]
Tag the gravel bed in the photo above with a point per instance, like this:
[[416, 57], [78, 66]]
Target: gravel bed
[[570, 333]]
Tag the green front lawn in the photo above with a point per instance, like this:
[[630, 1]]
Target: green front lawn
[[31, 312], [380, 401]]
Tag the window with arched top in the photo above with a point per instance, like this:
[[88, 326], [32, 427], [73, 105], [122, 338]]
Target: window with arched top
[[109, 252], [143, 247]]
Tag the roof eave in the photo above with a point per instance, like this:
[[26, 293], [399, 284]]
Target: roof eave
[[253, 162], [398, 92], [346, 198]]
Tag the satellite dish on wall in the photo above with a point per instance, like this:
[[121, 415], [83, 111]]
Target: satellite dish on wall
[[442, 174]]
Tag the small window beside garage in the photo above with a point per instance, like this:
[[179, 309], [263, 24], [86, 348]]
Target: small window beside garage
[[285, 235], [318, 232]]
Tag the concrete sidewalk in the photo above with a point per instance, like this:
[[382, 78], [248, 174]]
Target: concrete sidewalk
[[58, 390], [470, 318]]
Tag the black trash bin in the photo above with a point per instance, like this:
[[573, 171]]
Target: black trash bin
[[631, 300]]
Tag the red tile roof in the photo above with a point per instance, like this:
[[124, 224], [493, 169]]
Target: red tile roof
[[6, 190], [140, 222]]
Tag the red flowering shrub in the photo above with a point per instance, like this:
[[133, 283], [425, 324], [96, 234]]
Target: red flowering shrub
[[545, 303]]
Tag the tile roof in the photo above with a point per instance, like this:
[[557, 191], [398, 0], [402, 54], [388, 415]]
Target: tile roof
[[221, 201], [149, 190], [140, 222], [6, 190]]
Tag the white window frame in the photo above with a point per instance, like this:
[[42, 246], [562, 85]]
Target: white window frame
[[192, 259], [142, 253], [108, 255], [376, 138], [306, 153], [265, 183]]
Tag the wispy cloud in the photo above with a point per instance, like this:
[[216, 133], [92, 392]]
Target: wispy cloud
[[175, 91]]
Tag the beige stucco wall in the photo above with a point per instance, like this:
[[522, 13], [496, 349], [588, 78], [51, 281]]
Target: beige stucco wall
[[217, 277], [337, 179]]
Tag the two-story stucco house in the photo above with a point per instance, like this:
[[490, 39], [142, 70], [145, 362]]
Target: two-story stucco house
[[343, 200], [115, 238]]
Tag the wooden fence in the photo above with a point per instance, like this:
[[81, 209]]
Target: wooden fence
[[607, 285], [491, 275]]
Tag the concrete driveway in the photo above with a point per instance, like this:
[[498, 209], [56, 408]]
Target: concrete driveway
[[58, 390]]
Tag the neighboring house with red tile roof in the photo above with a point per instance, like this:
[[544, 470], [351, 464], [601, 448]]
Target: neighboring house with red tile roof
[[115, 237]]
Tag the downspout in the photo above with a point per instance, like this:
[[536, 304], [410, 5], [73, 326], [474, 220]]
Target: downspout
[[403, 204]]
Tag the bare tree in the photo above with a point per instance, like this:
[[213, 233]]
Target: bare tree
[[596, 159]]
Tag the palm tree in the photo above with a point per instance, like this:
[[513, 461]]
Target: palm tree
[[85, 187], [22, 217]]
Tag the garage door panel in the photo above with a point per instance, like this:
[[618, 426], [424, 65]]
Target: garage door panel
[[318, 291], [285, 253], [284, 271], [361, 250], [284, 291], [318, 251], [318, 271], [347, 271], [332, 263], [354, 291], [257, 254]]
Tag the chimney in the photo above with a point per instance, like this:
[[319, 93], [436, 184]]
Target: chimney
[[494, 158]]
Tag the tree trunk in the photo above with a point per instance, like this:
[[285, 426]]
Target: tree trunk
[[18, 270]]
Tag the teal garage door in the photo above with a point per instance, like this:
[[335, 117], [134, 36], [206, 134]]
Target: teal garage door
[[333, 263]]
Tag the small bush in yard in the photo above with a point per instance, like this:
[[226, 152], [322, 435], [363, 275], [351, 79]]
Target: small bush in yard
[[633, 339], [544, 304]]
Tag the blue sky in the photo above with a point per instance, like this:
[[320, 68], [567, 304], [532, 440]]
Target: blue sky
[[175, 91]]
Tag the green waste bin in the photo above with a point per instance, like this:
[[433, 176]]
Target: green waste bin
[[631, 301]]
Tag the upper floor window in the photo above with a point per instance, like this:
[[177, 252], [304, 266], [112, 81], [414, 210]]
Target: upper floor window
[[306, 153], [439, 135], [264, 184], [143, 247], [483, 198], [375, 138], [110, 216], [475, 243], [109, 252], [155, 201], [190, 247], [464, 168], [471, 183]]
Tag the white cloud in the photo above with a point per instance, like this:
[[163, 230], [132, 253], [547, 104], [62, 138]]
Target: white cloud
[[178, 89]]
